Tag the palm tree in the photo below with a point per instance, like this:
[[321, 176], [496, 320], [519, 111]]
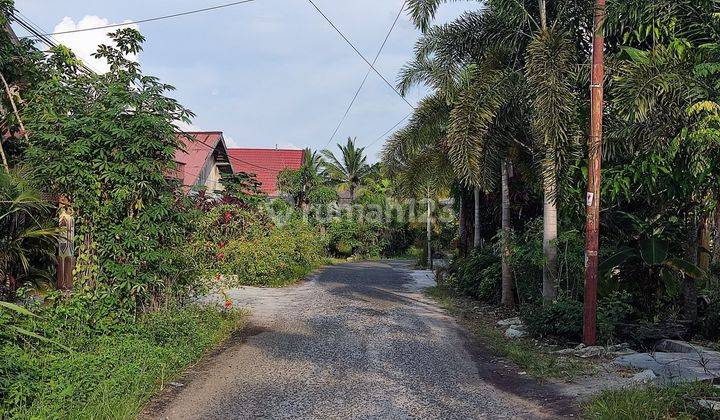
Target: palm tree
[[549, 62], [25, 237], [349, 171]]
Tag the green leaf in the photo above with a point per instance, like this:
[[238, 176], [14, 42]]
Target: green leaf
[[31, 334], [616, 259], [685, 267], [653, 250], [635, 54], [17, 308]]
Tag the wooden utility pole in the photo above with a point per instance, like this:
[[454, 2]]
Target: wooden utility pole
[[592, 231]]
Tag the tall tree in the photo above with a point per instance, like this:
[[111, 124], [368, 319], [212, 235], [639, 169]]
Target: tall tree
[[537, 41], [350, 169]]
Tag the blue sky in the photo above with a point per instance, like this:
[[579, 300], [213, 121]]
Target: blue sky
[[266, 73]]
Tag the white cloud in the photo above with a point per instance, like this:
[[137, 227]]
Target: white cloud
[[84, 44], [290, 146], [187, 127]]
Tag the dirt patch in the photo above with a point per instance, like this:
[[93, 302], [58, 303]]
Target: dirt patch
[[505, 375]]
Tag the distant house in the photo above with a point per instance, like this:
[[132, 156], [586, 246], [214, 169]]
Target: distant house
[[266, 164], [203, 161]]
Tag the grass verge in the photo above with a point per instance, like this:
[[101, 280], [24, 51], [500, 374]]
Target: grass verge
[[110, 374], [671, 402], [531, 356]]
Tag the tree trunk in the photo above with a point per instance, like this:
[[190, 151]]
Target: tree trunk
[[549, 237], [703, 254], [543, 14], [716, 236], [476, 230], [507, 298], [429, 232], [462, 234], [690, 284]]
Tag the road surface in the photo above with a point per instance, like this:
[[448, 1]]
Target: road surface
[[359, 340]]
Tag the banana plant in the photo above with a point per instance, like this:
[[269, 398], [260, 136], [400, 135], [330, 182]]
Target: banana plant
[[653, 252]]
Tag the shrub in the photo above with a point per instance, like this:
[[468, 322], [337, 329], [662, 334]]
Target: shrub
[[563, 318], [710, 323], [350, 237], [477, 276], [107, 375], [284, 255]]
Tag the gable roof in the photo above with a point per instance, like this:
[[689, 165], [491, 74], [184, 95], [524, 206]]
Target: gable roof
[[198, 147], [266, 164]]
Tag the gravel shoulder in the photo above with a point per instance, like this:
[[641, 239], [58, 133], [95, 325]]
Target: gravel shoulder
[[358, 340]]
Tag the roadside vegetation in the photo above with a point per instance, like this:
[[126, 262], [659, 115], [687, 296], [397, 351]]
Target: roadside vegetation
[[672, 402], [106, 367], [490, 172], [97, 150], [503, 131]]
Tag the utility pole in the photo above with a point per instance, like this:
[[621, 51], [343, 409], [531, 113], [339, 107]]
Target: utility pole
[[592, 230]]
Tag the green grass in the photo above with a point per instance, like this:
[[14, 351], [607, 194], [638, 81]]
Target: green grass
[[672, 402], [109, 375], [536, 359]]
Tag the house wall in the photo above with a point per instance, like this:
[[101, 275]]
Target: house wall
[[210, 176]]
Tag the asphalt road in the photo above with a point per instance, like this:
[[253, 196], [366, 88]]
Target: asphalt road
[[359, 340]]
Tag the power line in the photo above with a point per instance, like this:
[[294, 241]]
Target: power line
[[37, 31], [360, 54], [174, 15], [352, 102], [387, 132]]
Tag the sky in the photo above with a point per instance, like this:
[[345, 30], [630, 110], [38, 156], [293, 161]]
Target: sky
[[271, 73]]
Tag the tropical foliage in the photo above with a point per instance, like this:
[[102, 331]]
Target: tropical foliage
[[509, 83]]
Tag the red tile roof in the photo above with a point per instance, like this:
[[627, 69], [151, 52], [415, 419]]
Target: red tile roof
[[266, 164], [192, 159]]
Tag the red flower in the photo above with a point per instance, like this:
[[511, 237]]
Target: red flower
[[228, 304], [228, 216], [221, 245], [220, 256], [218, 277]]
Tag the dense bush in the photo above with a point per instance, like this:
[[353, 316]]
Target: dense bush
[[236, 245], [710, 322], [477, 276], [348, 236], [110, 371], [286, 254], [563, 318]]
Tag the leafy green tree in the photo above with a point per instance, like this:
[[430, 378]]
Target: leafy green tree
[[244, 188], [106, 142], [301, 183], [349, 170]]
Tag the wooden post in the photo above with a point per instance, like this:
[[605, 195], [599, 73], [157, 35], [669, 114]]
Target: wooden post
[[592, 232], [66, 248]]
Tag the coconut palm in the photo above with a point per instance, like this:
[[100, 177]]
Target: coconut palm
[[349, 170]]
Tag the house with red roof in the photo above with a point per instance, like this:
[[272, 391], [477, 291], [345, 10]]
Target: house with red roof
[[202, 160], [266, 164]]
